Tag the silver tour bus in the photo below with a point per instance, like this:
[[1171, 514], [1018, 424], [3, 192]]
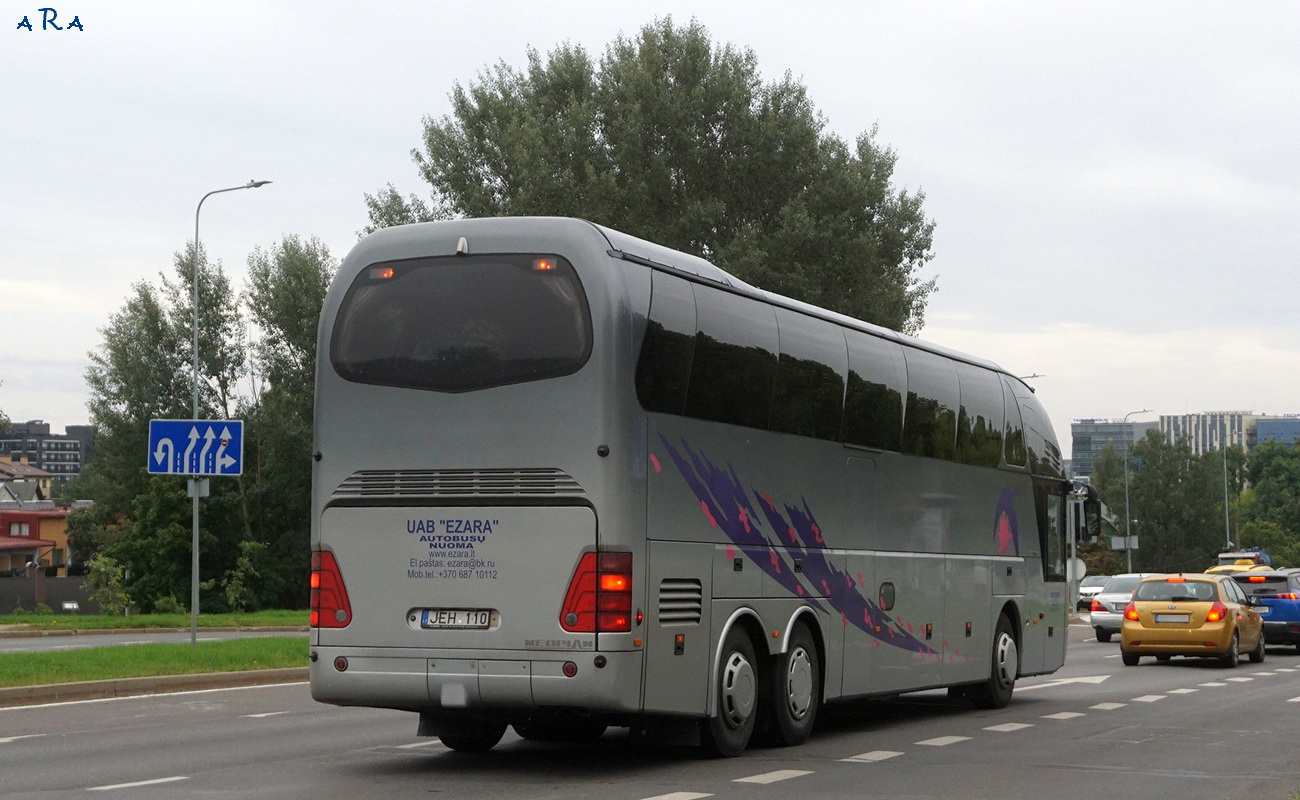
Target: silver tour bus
[[567, 479]]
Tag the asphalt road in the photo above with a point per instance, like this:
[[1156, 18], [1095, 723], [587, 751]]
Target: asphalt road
[[1096, 729]]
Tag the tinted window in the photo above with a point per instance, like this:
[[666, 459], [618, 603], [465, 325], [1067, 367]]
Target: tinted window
[[1014, 448], [1119, 585], [979, 421], [1269, 585], [809, 394], [735, 359], [1049, 502], [873, 403], [930, 421], [1181, 590], [664, 369], [462, 322], [1040, 440]]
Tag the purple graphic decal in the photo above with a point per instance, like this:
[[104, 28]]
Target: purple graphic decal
[[794, 533], [1005, 530]]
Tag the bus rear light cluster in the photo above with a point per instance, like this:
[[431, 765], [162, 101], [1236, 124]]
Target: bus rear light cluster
[[599, 599], [329, 598]]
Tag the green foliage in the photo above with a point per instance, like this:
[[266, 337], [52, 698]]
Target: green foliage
[[1275, 481], [105, 585], [42, 610], [239, 581], [168, 605], [679, 141]]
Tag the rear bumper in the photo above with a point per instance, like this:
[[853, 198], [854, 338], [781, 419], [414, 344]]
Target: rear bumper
[[1282, 631], [1106, 620], [1211, 639], [490, 682]]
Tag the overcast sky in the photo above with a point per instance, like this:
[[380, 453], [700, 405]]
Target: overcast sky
[[1115, 184]]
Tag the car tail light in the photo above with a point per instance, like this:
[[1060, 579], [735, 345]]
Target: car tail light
[[1176, 580], [599, 599], [1287, 596], [1131, 612], [1216, 613], [329, 598], [1256, 579], [1097, 606]]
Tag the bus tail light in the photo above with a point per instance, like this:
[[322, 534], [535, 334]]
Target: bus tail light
[[1131, 612], [599, 599], [329, 598], [1216, 613]]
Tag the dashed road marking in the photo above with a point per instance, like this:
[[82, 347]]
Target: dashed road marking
[[1108, 706], [680, 796], [1294, 700], [1148, 698], [1240, 680], [153, 782], [1064, 715], [1114, 656], [872, 757], [773, 777], [1183, 691], [8, 739], [1285, 669], [1263, 673], [1008, 727], [267, 714], [1214, 683], [943, 741], [434, 742]]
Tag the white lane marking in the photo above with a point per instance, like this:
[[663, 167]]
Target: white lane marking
[[1285, 669], [8, 739], [1239, 680], [1294, 700], [1064, 715], [1093, 679], [1108, 706], [1263, 673], [943, 741], [435, 742], [152, 696], [1183, 691], [267, 714], [773, 777], [873, 756], [1213, 683], [680, 796], [1114, 656], [1008, 727], [1148, 698], [153, 782]]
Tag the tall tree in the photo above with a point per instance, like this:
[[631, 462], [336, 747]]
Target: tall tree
[[679, 141], [1274, 471]]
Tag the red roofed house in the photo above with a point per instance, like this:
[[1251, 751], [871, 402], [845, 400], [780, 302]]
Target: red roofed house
[[38, 535]]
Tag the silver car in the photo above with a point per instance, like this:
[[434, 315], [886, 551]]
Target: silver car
[[1107, 614], [1088, 588]]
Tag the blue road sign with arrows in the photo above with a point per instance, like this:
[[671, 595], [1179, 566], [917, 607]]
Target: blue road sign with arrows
[[196, 446]]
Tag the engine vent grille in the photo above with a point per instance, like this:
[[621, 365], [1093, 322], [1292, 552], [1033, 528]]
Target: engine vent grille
[[445, 483], [681, 601]]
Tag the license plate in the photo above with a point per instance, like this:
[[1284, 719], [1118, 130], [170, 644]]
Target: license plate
[[1172, 618], [1264, 610], [455, 618]]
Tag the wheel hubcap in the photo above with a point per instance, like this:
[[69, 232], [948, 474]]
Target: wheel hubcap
[[739, 690], [799, 684], [1008, 658]]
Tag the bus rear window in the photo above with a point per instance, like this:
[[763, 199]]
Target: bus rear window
[[461, 323]]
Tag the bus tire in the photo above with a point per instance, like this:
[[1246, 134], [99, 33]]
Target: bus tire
[[727, 732], [471, 735], [1003, 668], [795, 688]]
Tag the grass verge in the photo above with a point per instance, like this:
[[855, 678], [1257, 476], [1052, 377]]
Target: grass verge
[[89, 622], [148, 660]]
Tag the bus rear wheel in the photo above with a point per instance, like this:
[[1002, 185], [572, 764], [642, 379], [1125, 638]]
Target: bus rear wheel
[[1005, 665], [727, 732], [796, 688]]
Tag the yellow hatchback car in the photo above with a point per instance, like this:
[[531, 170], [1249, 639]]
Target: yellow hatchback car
[[1195, 615]]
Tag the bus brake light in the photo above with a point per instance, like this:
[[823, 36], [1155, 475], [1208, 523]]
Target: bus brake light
[[599, 599], [329, 598]]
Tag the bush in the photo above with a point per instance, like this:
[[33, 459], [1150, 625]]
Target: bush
[[168, 605], [43, 610]]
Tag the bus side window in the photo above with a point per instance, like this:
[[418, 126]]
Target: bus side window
[[1014, 448], [1044, 455], [930, 421], [663, 370], [734, 367], [809, 395], [979, 421], [1049, 503], [873, 403]]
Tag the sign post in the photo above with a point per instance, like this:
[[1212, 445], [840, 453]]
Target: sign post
[[197, 448]]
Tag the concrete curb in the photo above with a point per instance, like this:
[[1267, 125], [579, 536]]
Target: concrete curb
[[19, 696], [29, 634]]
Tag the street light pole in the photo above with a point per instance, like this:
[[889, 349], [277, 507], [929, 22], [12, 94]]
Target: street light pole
[[195, 483], [1128, 530]]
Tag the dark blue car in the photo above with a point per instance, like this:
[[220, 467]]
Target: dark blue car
[[1278, 592]]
